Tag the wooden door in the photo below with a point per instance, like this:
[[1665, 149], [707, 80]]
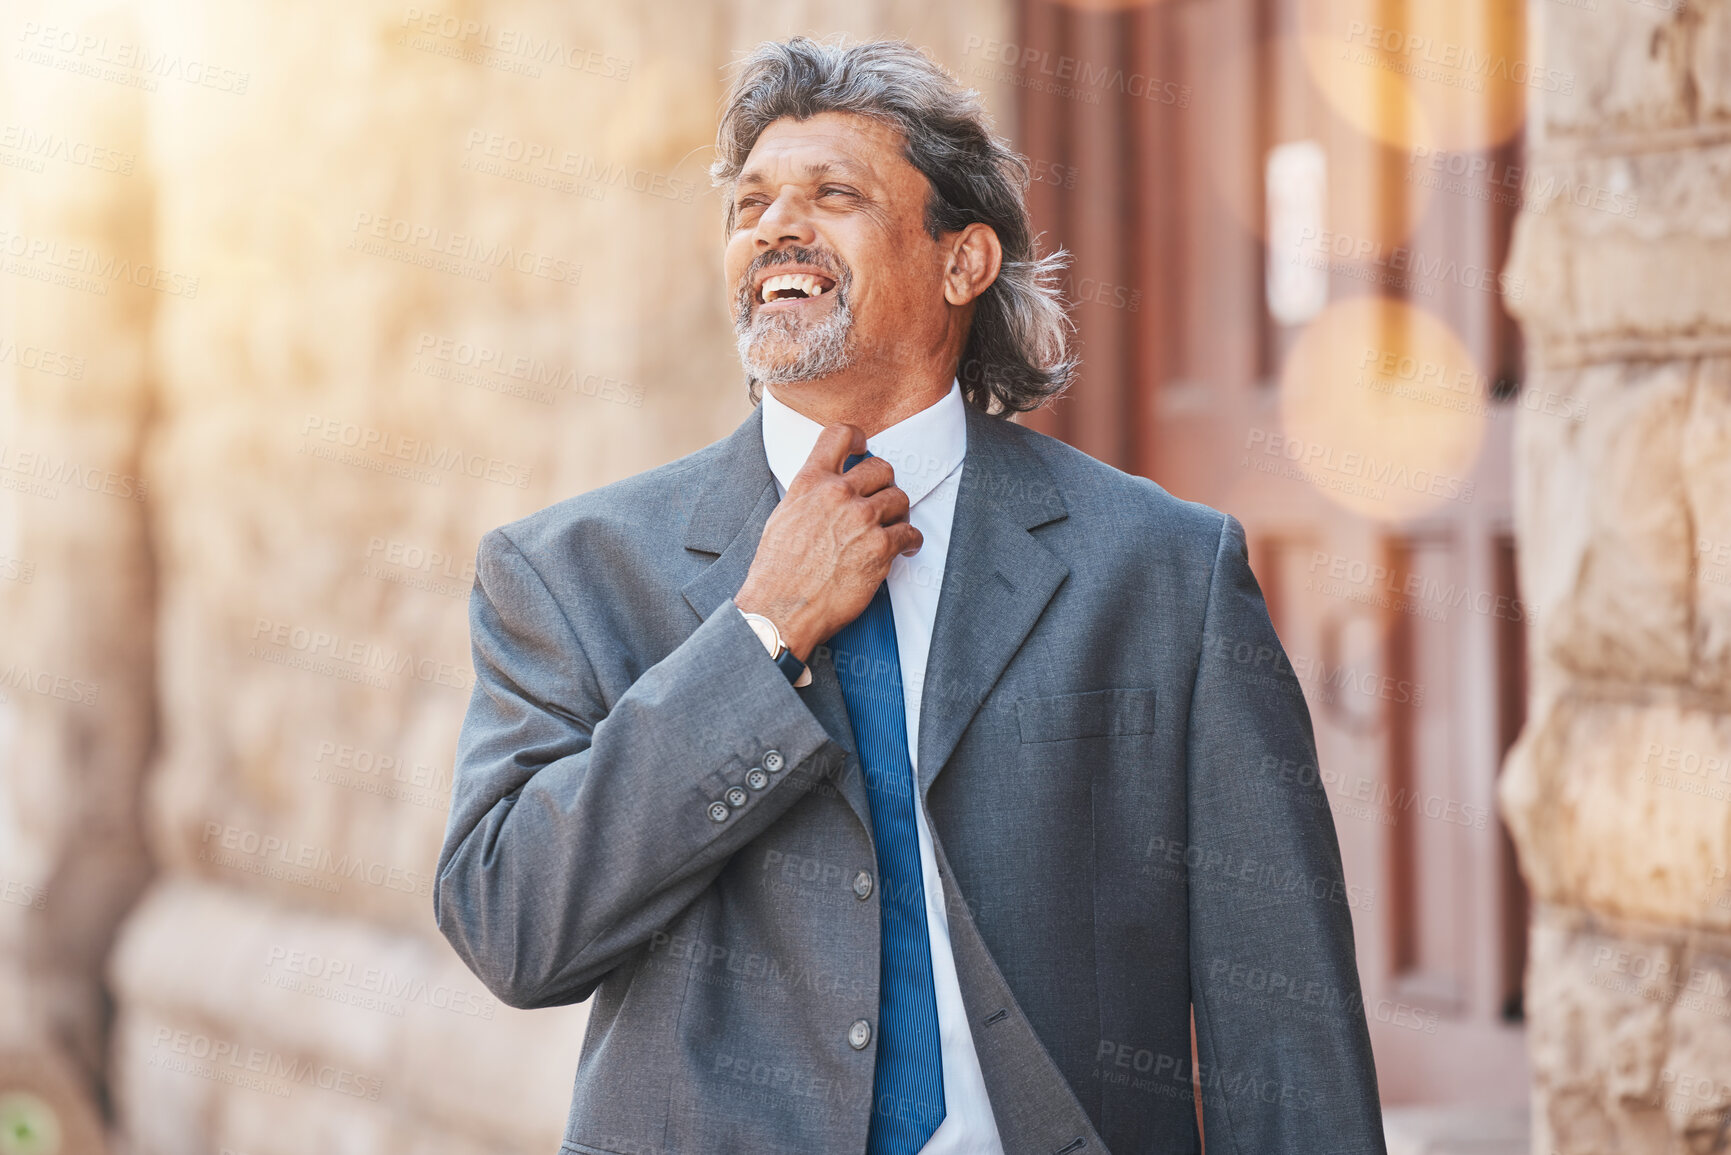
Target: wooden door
[[1286, 222]]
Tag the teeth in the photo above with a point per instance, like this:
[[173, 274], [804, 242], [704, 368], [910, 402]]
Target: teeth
[[804, 282]]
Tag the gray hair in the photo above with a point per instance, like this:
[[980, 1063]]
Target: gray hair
[[1017, 353]]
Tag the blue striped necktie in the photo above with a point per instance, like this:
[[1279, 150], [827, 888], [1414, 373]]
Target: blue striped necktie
[[908, 1095]]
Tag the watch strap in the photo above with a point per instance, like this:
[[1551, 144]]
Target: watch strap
[[795, 669]]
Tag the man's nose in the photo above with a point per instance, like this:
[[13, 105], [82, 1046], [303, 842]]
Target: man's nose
[[783, 221]]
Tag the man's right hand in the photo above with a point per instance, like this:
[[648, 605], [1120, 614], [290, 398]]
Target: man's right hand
[[829, 544]]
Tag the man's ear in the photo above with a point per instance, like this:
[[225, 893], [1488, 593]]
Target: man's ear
[[973, 261]]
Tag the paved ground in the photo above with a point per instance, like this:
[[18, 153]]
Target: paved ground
[[1455, 1131]]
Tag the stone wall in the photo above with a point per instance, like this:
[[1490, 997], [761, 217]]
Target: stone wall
[[77, 587], [1619, 791], [376, 278]]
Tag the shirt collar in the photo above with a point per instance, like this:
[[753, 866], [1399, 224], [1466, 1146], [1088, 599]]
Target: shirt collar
[[924, 449]]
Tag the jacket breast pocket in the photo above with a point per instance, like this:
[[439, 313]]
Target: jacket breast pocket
[[1091, 714]]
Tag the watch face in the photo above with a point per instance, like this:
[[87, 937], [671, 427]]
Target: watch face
[[765, 631]]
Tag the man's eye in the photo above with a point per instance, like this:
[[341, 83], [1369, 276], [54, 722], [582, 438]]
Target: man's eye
[[846, 192]]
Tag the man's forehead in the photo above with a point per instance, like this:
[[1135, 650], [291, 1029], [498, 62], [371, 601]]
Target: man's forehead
[[829, 144]]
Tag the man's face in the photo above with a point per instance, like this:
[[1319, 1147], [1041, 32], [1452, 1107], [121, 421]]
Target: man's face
[[829, 225]]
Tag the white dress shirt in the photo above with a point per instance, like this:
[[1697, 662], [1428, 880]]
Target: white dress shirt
[[926, 451]]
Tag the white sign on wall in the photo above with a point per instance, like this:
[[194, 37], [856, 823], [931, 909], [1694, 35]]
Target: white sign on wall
[[1296, 190]]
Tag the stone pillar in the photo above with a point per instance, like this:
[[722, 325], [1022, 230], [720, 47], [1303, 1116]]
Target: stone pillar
[[1619, 791], [77, 591]]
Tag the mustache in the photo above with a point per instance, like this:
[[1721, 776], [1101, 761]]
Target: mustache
[[833, 267]]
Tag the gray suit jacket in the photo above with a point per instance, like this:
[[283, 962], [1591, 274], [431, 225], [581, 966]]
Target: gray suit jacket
[[1116, 762]]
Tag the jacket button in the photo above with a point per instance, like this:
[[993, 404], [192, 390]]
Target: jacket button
[[862, 885], [718, 812], [773, 761], [735, 797], [757, 779], [859, 1034]]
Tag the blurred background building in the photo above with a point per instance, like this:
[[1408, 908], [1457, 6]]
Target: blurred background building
[[299, 300]]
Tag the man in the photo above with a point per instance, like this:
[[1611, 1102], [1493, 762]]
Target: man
[[895, 778]]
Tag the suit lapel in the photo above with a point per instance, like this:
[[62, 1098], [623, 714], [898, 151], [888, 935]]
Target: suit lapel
[[998, 579], [735, 496]]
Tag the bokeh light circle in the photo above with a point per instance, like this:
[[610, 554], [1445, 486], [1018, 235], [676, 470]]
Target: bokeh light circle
[[1452, 75], [1383, 409]]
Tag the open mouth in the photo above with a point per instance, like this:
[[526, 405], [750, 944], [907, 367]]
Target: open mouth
[[793, 287]]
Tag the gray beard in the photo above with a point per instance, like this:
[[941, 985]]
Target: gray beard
[[823, 348]]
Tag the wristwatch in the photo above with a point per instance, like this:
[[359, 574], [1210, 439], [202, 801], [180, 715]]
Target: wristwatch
[[796, 670]]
